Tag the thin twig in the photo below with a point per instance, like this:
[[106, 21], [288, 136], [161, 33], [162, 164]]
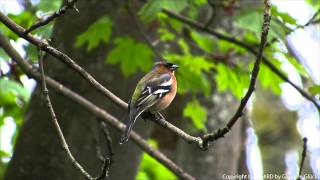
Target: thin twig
[[303, 156], [250, 48], [60, 12], [107, 161], [56, 124], [90, 107]]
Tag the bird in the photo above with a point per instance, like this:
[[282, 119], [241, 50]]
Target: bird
[[153, 93]]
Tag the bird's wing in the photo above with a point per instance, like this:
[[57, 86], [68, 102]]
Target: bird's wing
[[154, 89]]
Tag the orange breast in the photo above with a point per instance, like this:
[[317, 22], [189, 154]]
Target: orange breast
[[167, 99]]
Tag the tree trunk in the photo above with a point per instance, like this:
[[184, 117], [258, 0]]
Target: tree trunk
[[223, 157], [38, 153]]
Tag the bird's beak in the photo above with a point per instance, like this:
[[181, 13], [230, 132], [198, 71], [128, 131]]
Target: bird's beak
[[174, 67]]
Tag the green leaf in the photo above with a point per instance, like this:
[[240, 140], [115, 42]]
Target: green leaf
[[10, 90], [4, 56], [150, 9], [184, 46], [131, 55], [268, 79], [277, 30], [151, 169], [231, 79], [24, 19], [165, 35], [191, 74], [314, 4], [302, 71], [250, 20], [99, 31], [285, 17], [3, 154], [196, 113], [205, 42], [315, 90]]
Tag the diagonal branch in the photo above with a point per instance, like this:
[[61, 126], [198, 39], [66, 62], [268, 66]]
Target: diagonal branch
[[44, 46], [250, 48], [60, 12], [92, 108], [254, 74], [56, 124]]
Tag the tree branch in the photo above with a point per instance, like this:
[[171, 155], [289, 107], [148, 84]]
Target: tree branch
[[60, 12], [43, 45], [254, 74], [108, 160], [56, 124], [250, 48], [92, 108], [303, 157]]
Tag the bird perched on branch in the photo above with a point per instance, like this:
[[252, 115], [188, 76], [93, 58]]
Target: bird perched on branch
[[154, 92]]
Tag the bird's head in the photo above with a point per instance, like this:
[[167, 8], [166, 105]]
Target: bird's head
[[163, 65]]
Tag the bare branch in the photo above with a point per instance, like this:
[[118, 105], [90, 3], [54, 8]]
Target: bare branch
[[56, 124], [303, 157], [107, 161], [43, 45], [250, 48], [92, 108], [60, 12]]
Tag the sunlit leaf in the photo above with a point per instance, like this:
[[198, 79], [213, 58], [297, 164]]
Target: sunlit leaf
[[315, 90], [205, 42], [250, 20], [191, 74], [10, 90], [131, 55], [314, 4], [24, 19], [99, 31], [302, 71], [233, 80], [165, 35], [285, 17], [196, 113], [151, 169], [269, 79]]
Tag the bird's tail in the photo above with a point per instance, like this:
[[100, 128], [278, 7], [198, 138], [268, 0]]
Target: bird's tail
[[130, 122]]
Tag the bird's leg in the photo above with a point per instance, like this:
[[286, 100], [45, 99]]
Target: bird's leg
[[147, 115], [160, 119]]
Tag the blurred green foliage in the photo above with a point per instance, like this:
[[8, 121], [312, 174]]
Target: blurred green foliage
[[99, 31], [196, 113], [131, 55], [200, 73], [151, 169]]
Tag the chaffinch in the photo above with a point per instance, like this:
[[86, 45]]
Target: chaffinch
[[153, 93]]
